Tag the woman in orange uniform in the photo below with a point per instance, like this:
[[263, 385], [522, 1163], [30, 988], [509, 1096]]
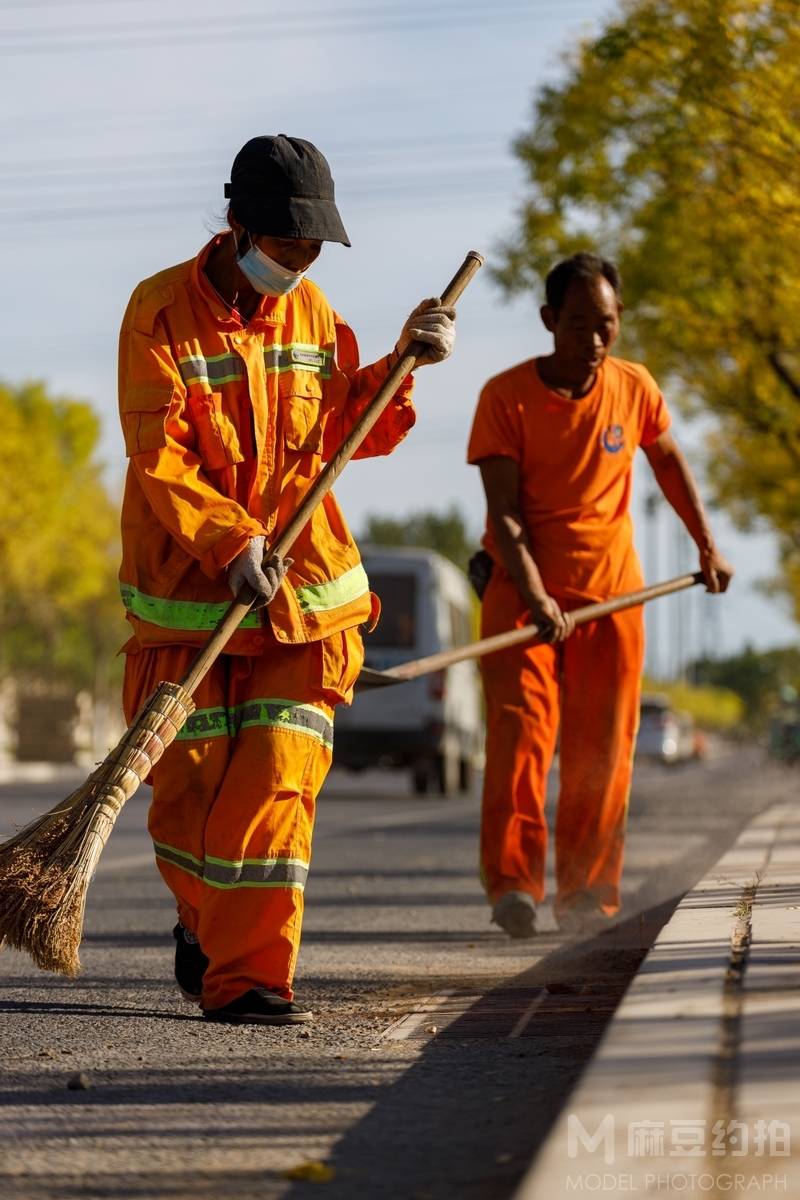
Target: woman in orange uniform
[[237, 379], [555, 439]]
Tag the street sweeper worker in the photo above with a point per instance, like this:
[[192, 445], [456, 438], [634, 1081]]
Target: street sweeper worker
[[236, 380], [555, 439]]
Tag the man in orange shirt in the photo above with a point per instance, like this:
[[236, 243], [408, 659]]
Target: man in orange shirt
[[236, 380], [555, 439]]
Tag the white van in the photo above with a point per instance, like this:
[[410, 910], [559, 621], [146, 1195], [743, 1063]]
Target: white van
[[664, 735], [432, 725]]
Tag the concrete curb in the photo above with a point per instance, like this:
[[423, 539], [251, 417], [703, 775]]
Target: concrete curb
[[694, 1087]]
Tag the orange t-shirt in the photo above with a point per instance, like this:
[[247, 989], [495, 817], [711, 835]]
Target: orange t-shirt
[[576, 467]]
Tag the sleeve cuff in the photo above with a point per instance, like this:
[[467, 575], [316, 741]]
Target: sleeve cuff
[[227, 547]]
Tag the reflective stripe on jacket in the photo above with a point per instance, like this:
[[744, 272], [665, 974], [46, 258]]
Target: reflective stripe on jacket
[[226, 426]]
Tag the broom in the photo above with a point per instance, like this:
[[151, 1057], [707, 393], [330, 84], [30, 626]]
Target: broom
[[46, 868], [525, 635]]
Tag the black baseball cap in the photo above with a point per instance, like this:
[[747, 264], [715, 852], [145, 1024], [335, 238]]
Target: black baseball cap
[[282, 186]]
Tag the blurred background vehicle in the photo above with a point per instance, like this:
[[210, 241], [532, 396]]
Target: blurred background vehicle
[[433, 725], [784, 739], [784, 726], [665, 735]]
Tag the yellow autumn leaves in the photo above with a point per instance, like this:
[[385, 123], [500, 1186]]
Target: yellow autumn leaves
[[673, 145], [59, 604]]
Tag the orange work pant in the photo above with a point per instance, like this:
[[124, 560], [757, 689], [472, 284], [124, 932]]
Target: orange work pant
[[234, 799], [592, 683]]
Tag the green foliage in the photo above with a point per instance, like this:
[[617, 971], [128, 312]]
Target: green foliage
[[674, 146], [718, 708], [711, 707], [445, 532], [59, 607], [758, 677]]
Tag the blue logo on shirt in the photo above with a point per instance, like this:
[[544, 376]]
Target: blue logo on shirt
[[613, 439]]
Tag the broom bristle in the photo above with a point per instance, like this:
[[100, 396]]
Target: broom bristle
[[46, 868], [36, 913]]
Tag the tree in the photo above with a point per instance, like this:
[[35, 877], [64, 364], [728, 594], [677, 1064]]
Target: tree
[[674, 146], [60, 616], [758, 677], [446, 532]]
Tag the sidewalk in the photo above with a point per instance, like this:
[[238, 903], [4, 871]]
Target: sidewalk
[[695, 1088]]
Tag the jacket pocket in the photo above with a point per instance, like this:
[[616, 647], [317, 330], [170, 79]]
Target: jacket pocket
[[217, 437], [337, 661], [144, 412], [300, 398]]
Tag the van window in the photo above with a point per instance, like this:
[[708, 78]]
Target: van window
[[398, 597]]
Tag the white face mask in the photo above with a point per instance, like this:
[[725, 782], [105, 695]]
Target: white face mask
[[264, 274]]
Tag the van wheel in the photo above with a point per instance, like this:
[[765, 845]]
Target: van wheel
[[420, 779], [447, 772], [465, 774]]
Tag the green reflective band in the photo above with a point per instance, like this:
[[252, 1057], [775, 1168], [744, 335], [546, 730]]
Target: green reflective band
[[220, 368], [178, 614], [237, 873], [271, 713], [229, 368], [298, 356], [319, 597]]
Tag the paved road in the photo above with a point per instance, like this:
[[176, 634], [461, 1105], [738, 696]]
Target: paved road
[[397, 943]]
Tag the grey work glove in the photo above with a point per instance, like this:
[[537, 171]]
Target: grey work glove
[[434, 324], [249, 568]]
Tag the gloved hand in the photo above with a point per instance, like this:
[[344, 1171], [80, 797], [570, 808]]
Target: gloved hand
[[249, 567], [433, 323]]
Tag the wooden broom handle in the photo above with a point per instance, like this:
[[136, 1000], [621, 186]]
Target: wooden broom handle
[[516, 637], [325, 480]]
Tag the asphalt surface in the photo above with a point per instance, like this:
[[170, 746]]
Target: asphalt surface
[[441, 1053]]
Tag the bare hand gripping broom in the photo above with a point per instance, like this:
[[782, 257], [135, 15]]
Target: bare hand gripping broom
[[46, 869], [525, 635]]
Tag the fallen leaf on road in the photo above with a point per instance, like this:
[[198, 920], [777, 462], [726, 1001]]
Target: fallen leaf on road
[[312, 1172]]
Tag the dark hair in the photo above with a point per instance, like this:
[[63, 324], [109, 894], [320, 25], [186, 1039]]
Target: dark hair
[[580, 266]]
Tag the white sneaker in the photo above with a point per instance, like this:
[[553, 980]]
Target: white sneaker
[[584, 916], [515, 912]]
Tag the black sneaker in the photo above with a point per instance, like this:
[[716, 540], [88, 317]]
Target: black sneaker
[[260, 1007], [190, 964]]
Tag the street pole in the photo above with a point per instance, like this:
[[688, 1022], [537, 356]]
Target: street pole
[[652, 563]]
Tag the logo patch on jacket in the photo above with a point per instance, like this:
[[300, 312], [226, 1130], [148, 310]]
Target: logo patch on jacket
[[613, 439], [307, 358]]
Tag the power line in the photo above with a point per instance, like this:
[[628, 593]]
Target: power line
[[14, 5], [449, 172], [471, 185], [135, 36], [408, 10], [56, 168], [53, 219], [382, 104]]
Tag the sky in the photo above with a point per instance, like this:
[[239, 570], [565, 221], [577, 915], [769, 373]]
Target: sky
[[119, 122]]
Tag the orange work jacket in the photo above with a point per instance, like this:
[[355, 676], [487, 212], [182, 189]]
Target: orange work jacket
[[226, 425]]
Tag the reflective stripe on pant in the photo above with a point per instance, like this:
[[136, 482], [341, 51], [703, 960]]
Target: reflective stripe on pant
[[234, 799], [594, 680]]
